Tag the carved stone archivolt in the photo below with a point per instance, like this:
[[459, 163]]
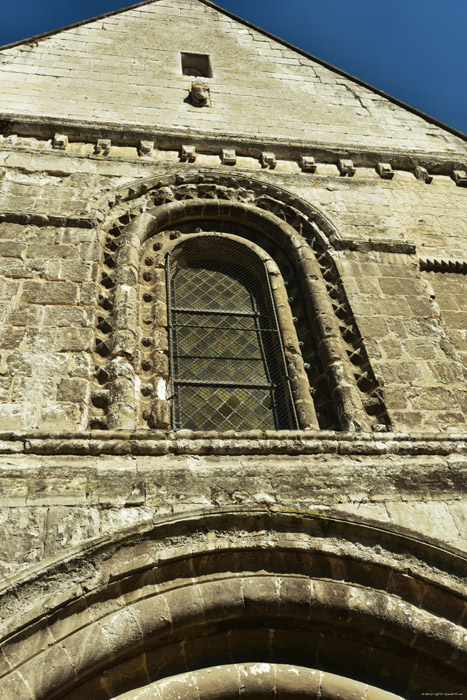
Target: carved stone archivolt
[[293, 235], [190, 592], [285, 681]]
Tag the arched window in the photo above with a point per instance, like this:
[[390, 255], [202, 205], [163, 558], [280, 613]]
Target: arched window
[[307, 343], [227, 364]]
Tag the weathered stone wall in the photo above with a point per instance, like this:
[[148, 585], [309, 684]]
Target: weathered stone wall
[[47, 317], [260, 87], [407, 309], [114, 526], [51, 503], [51, 267], [449, 291]]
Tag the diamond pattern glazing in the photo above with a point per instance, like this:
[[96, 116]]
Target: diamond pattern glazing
[[227, 364]]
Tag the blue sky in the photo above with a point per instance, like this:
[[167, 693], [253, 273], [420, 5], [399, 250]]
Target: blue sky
[[413, 49]]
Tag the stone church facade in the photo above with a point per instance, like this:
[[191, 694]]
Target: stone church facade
[[233, 358]]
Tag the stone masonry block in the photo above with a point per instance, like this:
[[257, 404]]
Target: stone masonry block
[[308, 164], [60, 141], [259, 595], [385, 170], [49, 671], [423, 174], [88, 645], [339, 688], [225, 685], [11, 338], [49, 292], [346, 167], [228, 156], [152, 615], [268, 160], [396, 285], [188, 153], [72, 389], [460, 177], [121, 624], [103, 147], [185, 606], [14, 686], [145, 148], [223, 599], [123, 676], [433, 517]]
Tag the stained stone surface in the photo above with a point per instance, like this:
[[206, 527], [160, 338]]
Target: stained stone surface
[[411, 323], [259, 86], [102, 176]]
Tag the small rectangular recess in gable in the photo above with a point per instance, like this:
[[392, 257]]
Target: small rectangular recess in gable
[[196, 64]]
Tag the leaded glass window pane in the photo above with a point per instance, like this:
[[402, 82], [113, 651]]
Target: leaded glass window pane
[[227, 364]]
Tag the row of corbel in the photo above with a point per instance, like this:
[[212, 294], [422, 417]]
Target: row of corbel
[[268, 160]]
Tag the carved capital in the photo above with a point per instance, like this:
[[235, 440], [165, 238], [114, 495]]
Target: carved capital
[[160, 413]]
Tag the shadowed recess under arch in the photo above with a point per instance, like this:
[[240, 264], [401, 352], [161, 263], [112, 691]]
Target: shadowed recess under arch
[[238, 586]]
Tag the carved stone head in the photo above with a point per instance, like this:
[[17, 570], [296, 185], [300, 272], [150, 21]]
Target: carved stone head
[[200, 94]]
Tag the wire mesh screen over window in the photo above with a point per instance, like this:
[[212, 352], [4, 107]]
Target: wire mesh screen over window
[[227, 362]]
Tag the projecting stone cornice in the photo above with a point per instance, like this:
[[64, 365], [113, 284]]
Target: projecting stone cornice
[[188, 442], [127, 134]]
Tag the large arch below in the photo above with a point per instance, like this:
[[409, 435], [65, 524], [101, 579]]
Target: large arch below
[[240, 586], [258, 681]]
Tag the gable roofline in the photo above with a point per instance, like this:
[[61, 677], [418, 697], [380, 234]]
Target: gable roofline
[[305, 54]]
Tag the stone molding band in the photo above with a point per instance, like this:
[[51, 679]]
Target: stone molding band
[[163, 442], [383, 246], [443, 265], [258, 680], [378, 246], [129, 135], [36, 218]]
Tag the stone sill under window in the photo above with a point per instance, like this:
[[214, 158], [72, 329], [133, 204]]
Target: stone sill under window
[[285, 442]]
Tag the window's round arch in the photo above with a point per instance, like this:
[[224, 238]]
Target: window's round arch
[[228, 370]]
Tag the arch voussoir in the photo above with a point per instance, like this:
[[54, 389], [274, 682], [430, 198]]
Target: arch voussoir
[[153, 615]]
